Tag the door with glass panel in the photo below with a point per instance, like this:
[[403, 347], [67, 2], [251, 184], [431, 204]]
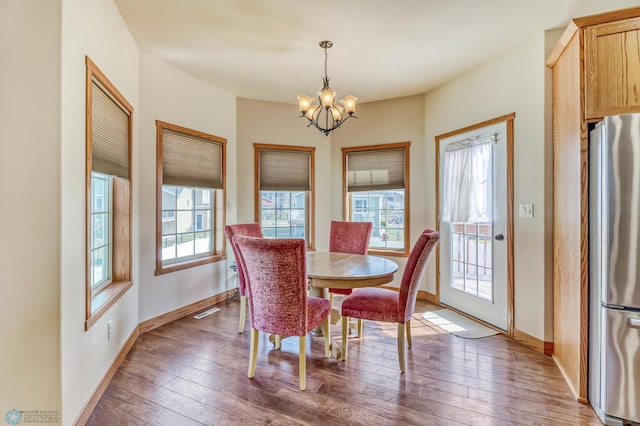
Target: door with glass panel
[[472, 193]]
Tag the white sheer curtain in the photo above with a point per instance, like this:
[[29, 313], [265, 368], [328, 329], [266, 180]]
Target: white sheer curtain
[[467, 183]]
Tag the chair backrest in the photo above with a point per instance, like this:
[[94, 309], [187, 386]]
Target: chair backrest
[[349, 237], [414, 270], [276, 277], [248, 229]]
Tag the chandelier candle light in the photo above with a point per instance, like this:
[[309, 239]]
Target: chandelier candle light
[[326, 117]]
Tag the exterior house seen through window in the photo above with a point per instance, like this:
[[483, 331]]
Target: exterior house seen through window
[[190, 197], [376, 188], [186, 222], [284, 191]]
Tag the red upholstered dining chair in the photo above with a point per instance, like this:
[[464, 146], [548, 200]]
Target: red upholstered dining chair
[[349, 237], [251, 230], [276, 284], [379, 304]]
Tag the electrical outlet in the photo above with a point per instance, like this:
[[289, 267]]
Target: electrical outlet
[[109, 329]]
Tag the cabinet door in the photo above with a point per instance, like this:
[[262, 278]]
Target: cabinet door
[[612, 72]]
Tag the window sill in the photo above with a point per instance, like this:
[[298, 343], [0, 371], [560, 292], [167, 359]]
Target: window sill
[[102, 301], [188, 264]]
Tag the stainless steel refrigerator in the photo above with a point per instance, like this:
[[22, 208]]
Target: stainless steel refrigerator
[[614, 269]]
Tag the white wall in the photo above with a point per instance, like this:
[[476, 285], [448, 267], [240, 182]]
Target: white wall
[[395, 120], [30, 212], [168, 94], [514, 82], [94, 28], [276, 123]]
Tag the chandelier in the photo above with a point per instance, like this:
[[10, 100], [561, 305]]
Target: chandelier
[[326, 117]]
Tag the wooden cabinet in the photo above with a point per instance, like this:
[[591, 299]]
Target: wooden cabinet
[[596, 72], [612, 68]]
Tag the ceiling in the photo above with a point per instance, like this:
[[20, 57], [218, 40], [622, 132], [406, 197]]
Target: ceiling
[[268, 50]]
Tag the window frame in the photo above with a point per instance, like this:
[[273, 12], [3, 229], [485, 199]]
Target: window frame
[[218, 203], [109, 243], [98, 302], [310, 197], [346, 195]]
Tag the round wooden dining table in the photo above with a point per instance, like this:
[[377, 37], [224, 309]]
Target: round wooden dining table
[[327, 270], [343, 270]]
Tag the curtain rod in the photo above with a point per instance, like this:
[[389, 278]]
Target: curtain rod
[[470, 142]]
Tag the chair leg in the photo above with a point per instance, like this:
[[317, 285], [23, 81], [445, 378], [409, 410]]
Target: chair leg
[[401, 346], [331, 299], [302, 364], [253, 353], [345, 338], [360, 326], [243, 313], [326, 331], [277, 340], [407, 325]]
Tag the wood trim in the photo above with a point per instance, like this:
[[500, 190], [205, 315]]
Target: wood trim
[[312, 204], [407, 198], [533, 342], [168, 317], [121, 230], [429, 297], [256, 184], [218, 209], [122, 206], [603, 18], [569, 130], [476, 126], [583, 367], [509, 119], [565, 40], [584, 262], [568, 380], [91, 404], [189, 264], [159, 178], [105, 299], [437, 216], [586, 21], [422, 295], [510, 230]]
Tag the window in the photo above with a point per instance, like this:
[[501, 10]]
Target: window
[[100, 249], [376, 190], [190, 198], [284, 191], [108, 195]]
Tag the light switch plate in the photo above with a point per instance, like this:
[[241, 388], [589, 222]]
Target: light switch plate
[[526, 210]]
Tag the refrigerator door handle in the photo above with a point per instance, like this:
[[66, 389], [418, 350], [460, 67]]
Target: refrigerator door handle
[[634, 322]]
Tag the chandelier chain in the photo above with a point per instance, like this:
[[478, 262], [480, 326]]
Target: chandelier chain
[[325, 63]]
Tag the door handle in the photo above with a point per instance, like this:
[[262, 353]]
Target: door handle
[[634, 322], [499, 237]]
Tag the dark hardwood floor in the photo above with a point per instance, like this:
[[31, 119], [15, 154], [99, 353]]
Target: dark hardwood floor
[[194, 372]]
